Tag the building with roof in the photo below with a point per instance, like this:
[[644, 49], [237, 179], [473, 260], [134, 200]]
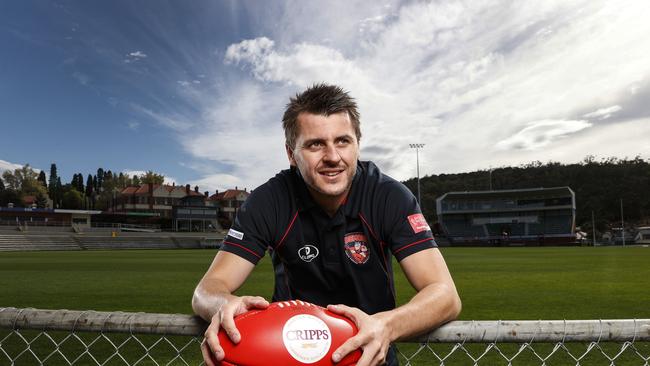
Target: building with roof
[[229, 201], [153, 198], [538, 216], [194, 214], [33, 217]]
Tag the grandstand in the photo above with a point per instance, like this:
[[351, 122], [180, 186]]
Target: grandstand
[[538, 216], [55, 241]]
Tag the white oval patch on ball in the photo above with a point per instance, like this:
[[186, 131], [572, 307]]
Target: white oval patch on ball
[[307, 338]]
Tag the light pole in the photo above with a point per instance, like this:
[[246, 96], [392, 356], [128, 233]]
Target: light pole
[[490, 178], [593, 229], [417, 148], [622, 224]]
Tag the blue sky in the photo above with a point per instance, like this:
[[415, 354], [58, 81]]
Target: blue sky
[[195, 89]]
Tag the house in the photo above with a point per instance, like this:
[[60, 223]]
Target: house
[[229, 201], [153, 198], [192, 214]]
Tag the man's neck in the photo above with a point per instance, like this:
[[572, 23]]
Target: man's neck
[[330, 204]]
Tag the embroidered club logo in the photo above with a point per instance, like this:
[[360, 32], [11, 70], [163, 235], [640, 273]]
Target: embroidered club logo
[[418, 223], [356, 247], [308, 253]]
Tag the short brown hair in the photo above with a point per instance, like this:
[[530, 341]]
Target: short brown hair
[[321, 99]]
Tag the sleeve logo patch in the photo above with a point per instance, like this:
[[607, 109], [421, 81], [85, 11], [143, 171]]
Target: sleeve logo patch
[[418, 223], [236, 234]]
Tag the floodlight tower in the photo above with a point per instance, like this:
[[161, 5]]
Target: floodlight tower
[[417, 148]]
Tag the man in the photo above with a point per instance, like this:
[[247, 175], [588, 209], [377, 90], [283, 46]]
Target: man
[[331, 224]]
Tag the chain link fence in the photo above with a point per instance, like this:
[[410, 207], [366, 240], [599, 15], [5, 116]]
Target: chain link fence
[[63, 337]]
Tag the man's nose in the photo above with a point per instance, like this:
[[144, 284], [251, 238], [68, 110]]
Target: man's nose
[[331, 154]]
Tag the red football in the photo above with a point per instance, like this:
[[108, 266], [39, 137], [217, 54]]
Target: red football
[[289, 333]]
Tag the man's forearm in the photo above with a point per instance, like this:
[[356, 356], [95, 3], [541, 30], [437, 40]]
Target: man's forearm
[[431, 307], [209, 297]]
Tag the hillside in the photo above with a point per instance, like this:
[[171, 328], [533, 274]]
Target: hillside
[[599, 186]]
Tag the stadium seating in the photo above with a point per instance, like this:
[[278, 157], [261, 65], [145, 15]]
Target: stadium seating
[[59, 241], [20, 242]]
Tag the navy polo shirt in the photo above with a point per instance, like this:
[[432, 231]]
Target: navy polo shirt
[[328, 260]]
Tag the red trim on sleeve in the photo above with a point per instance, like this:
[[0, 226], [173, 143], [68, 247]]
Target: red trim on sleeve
[[242, 247], [287, 231], [412, 244]]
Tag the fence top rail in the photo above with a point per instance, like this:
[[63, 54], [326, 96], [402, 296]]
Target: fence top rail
[[480, 331]]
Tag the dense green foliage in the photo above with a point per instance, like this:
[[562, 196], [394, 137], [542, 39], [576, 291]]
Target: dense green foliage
[[599, 186], [96, 193]]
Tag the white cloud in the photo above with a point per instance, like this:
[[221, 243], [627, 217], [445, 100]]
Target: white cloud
[[135, 56], [603, 113], [240, 129], [5, 165], [541, 133], [168, 180], [463, 77], [81, 78], [466, 78], [219, 182], [174, 122], [133, 125]]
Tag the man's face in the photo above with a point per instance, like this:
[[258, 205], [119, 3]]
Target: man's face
[[326, 154]]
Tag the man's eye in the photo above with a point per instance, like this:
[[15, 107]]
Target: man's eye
[[315, 145]]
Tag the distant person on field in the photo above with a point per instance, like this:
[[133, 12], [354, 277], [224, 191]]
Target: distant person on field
[[332, 224]]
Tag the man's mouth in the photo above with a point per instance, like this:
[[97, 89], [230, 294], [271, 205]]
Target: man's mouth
[[331, 173]]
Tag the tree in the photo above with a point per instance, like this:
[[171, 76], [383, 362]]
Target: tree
[[136, 180], [59, 189], [89, 186], [10, 196], [100, 180], [24, 181], [72, 200], [11, 180], [42, 179], [41, 200], [151, 177], [74, 183], [78, 182], [2, 185], [53, 190], [121, 180]]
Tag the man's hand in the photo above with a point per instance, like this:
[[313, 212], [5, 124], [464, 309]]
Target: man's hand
[[224, 318], [373, 336]]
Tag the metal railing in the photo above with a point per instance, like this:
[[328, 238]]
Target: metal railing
[[64, 337]]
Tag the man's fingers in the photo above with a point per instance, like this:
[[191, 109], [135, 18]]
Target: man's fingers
[[348, 312], [255, 302], [228, 325], [369, 356], [208, 356], [349, 346]]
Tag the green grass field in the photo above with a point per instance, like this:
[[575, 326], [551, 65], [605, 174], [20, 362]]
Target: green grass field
[[494, 283]]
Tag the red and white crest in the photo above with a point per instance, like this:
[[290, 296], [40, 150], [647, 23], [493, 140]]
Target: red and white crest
[[418, 223], [356, 247]]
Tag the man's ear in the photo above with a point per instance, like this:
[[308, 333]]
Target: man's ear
[[289, 150]]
